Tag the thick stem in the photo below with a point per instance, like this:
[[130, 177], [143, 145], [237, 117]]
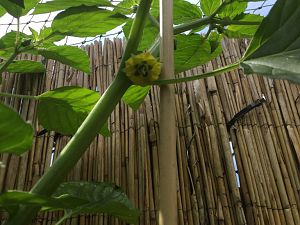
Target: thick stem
[[191, 25], [73, 151]]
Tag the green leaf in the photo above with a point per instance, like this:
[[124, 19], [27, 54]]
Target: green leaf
[[214, 40], [209, 6], [243, 31], [46, 37], [69, 55], [11, 200], [128, 3], [34, 33], [125, 6], [9, 39], [16, 136], [2, 11], [25, 66], [150, 32], [184, 11], [101, 197], [64, 109], [7, 43], [233, 9], [275, 48], [135, 96], [284, 65], [76, 198], [56, 5], [18, 2], [192, 50], [15, 10], [96, 21]]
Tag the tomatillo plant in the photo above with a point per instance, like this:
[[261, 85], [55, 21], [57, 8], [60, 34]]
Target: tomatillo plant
[[265, 55]]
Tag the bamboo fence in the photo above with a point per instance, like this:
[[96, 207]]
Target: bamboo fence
[[265, 153]]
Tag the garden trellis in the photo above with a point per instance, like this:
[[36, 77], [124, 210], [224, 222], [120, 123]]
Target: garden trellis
[[262, 56]]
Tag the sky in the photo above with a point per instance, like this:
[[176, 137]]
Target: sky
[[37, 22]]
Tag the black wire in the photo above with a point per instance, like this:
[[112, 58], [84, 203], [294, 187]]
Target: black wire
[[244, 111]]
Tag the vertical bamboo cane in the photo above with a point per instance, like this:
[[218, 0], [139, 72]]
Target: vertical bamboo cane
[[167, 145]]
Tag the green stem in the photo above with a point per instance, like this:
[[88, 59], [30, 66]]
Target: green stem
[[18, 96], [198, 23], [16, 50], [191, 25], [17, 35], [234, 22], [9, 61], [154, 22], [197, 77], [75, 148]]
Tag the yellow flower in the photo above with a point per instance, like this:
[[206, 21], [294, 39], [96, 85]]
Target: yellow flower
[[142, 69]]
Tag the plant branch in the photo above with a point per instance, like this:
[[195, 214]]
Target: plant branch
[[197, 77], [234, 22], [17, 35], [7, 62], [191, 25], [18, 96], [154, 22]]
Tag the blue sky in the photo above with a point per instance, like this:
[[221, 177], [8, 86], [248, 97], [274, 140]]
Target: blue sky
[[253, 7]]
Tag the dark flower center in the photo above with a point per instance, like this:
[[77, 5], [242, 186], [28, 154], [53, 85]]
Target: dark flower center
[[142, 69]]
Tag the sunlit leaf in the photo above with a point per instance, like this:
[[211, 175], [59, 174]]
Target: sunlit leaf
[[56, 5], [275, 48], [47, 35], [149, 34], [2, 11], [125, 6], [184, 11], [135, 96], [192, 50], [25, 66], [209, 6], [69, 55], [96, 21], [64, 109], [243, 31], [16, 136], [7, 43], [233, 9], [17, 11]]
